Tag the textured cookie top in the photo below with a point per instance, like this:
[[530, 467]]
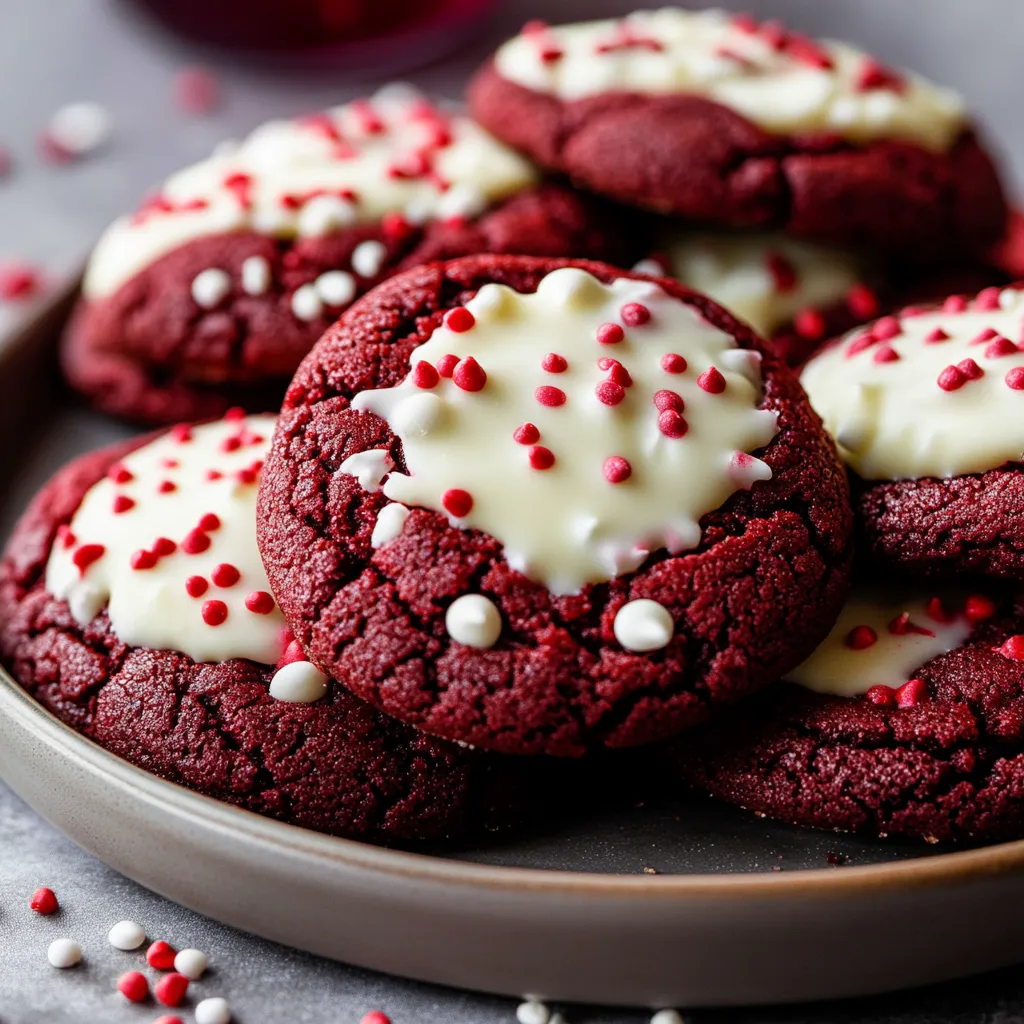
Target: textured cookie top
[[783, 82], [927, 393], [584, 425], [167, 544], [882, 641], [394, 153], [766, 279]]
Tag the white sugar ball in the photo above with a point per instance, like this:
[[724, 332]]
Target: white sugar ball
[[643, 625], [368, 257], [336, 288], [191, 962], [306, 302], [256, 276], [210, 287], [213, 1011], [533, 1012], [126, 935], [301, 682], [80, 127], [667, 1017], [64, 953], [473, 620]]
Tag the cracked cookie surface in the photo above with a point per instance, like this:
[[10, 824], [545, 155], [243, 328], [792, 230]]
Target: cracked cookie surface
[[748, 602]]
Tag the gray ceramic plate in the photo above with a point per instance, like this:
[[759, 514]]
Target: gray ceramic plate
[[740, 910]]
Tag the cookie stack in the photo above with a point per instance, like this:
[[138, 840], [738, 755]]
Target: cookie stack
[[519, 505]]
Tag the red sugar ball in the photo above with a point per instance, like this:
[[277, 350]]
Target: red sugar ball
[[541, 458], [860, 638], [554, 363], [215, 613], [196, 586], [160, 955], [457, 502], [170, 989], [711, 381], [424, 375], [634, 314], [469, 375], [616, 469], [225, 575], [672, 362], [526, 434], [44, 901], [259, 602], [610, 334], [550, 396], [459, 320], [133, 986]]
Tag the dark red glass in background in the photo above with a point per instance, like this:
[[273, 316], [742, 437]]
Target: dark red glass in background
[[359, 33]]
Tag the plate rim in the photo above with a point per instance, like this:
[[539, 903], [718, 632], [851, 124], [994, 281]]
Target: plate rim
[[913, 872]]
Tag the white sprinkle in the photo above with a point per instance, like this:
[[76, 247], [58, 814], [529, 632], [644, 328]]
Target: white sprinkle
[[336, 288], [368, 257], [324, 214], [474, 620], [213, 1011], [256, 276], [301, 682], [1008, 298], [390, 520], [80, 127], [649, 267], [533, 1012], [210, 286], [643, 625], [192, 963], [369, 468], [667, 1017], [306, 303], [126, 935], [396, 95], [64, 953]]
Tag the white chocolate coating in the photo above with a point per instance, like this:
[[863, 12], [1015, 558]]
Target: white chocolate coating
[[564, 522], [909, 406], [310, 176], [737, 271], [778, 84], [168, 487], [843, 670]]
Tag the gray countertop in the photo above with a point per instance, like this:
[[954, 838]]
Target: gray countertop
[[56, 51]]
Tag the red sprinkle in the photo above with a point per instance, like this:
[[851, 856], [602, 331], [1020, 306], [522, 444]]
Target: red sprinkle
[[1013, 648], [883, 696], [541, 458], [424, 375], [666, 399], [616, 469], [44, 901], [1015, 378], [446, 364], [225, 575], [999, 347], [610, 334], [954, 304], [214, 612], [860, 638], [783, 273], [168, 1018], [170, 989], [983, 336], [459, 320], [978, 608], [902, 626], [182, 433], [859, 344], [120, 475], [259, 602], [133, 986], [457, 502], [195, 542], [167, 487], [526, 434], [196, 586], [65, 536], [292, 651], [618, 374], [810, 324], [196, 90], [143, 559], [395, 226], [469, 375], [970, 369], [988, 299], [634, 314], [18, 282], [911, 693], [672, 362], [886, 329], [551, 54], [938, 612], [952, 378], [672, 424], [610, 393], [550, 396], [873, 75], [122, 503], [886, 354], [164, 546], [554, 363], [375, 1017], [160, 955], [86, 555], [711, 381], [862, 302], [209, 522], [935, 336]]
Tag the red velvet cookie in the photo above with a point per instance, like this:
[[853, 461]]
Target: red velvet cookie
[[213, 291], [541, 506], [917, 727], [926, 407], [133, 605], [725, 121]]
